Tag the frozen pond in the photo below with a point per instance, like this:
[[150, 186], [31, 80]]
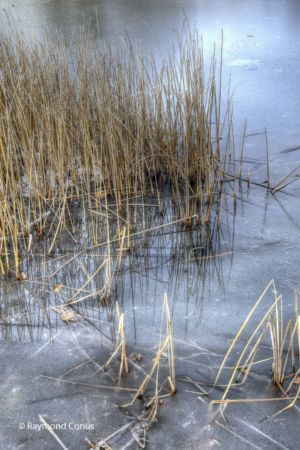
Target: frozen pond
[[210, 292]]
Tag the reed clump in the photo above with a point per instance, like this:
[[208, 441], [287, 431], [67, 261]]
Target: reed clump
[[120, 346], [87, 123], [284, 338]]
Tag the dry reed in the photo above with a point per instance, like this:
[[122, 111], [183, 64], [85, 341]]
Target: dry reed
[[87, 123], [285, 344]]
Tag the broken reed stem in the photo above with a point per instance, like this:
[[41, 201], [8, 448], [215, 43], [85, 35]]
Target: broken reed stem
[[166, 343], [242, 150], [52, 432], [143, 386], [120, 346], [170, 334], [252, 400], [267, 158], [280, 185]]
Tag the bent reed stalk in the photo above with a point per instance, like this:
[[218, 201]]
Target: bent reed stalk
[[84, 122], [285, 345]]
